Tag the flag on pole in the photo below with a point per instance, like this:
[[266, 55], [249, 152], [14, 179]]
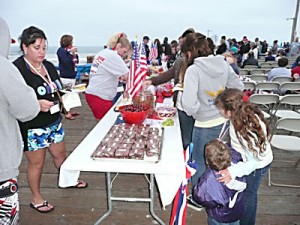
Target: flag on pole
[[138, 71], [153, 52], [178, 215]]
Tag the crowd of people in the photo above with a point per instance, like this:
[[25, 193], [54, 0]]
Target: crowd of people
[[209, 101], [205, 78]]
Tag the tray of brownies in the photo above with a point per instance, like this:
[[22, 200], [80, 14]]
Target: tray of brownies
[[134, 142]]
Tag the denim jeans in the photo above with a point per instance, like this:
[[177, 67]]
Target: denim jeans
[[186, 127], [200, 137], [253, 181], [211, 221]]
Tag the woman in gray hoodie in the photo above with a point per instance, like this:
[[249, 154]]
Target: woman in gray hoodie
[[205, 76], [18, 102]]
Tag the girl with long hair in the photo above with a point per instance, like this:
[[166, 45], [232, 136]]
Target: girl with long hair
[[249, 135]]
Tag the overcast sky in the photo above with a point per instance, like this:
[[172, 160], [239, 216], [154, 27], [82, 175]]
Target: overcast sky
[[92, 22]]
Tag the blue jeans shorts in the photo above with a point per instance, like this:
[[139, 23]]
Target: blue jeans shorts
[[43, 137]]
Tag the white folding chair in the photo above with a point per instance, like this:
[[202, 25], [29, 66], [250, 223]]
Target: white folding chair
[[287, 107], [263, 64], [267, 86], [249, 85], [266, 68], [292, 87], [266, 102], [257, 71], [286, 142], [274, 64], [259, 77], [244, 72], [250, 67], [282, 79]]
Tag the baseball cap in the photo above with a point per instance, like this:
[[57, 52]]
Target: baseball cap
[[146, 38], [245, 38]]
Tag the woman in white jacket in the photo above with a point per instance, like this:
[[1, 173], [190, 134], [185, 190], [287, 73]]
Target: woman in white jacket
[[249, 134]]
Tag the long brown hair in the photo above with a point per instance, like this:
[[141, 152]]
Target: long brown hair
[[196, 45], [244, 119]]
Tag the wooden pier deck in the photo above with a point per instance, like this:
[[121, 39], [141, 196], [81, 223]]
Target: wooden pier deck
[[276, 205]]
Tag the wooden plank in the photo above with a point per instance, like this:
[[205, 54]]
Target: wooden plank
[[84, 216]]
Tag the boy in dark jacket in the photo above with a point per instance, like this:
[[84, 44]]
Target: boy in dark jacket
[[223, 202]]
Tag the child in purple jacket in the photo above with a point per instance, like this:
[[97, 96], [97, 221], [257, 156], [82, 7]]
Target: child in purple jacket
[[223, 202]]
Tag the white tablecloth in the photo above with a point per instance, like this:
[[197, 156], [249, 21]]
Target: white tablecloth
[[169, 171]]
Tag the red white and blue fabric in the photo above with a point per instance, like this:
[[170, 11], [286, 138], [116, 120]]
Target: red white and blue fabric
[[178, 215], [153, 52], [138, 71], [9, 203]]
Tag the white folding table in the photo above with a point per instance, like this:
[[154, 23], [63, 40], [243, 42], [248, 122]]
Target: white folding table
[[169, 171]]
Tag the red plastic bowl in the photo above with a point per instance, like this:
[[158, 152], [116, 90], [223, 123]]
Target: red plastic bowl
[[167, 93], [133, 117]]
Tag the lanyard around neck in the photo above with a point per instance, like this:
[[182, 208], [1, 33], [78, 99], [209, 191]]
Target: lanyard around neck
[[48, 80]]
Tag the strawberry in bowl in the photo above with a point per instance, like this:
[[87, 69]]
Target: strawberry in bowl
[[167, 90]]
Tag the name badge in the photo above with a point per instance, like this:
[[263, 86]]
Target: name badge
[[54, 109]]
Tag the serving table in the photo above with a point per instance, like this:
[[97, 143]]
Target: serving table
[[168, 172]]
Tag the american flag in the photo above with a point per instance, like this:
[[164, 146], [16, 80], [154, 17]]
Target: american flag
[[153, 52], [138, 71], [178, 215]]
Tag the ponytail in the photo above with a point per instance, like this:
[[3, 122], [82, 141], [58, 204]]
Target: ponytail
[[118, 38]]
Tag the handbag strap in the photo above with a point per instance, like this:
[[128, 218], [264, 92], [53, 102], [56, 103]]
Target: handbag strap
[[62, 108], [224, 130]]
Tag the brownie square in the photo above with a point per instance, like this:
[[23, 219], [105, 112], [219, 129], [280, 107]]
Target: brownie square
[[136, 153], [123, 150]]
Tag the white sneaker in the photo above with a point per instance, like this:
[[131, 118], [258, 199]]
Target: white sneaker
[[193, 204]]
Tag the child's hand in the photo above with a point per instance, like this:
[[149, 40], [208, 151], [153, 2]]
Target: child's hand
[[225, 176]]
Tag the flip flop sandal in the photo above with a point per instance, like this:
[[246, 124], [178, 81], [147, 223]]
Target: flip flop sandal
[[75, 114], [80, 184], [70, 117], [39, 207]]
